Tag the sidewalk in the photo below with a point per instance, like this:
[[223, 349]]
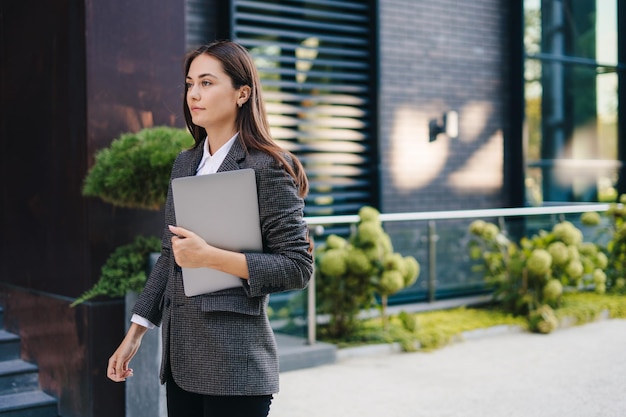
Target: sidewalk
[[573, 372]]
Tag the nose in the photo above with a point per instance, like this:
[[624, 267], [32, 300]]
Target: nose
[[193, 93]]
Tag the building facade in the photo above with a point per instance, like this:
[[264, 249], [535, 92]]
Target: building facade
[[359, 90]]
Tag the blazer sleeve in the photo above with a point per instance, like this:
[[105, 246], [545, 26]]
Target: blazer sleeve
[[285, 263]]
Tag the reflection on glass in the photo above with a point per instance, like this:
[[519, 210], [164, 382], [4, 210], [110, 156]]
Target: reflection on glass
[[606, 32], [305, 54], [570, 131]]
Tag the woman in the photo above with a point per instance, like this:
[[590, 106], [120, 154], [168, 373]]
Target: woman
[[219, 351]]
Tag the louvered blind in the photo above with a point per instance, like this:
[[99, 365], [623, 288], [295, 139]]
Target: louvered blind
[[315, 59], [198, 21]]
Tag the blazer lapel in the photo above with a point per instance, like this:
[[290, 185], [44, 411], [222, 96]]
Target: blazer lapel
[[236, 154], [194, 156]]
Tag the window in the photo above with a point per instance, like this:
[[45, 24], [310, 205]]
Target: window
[[316, 61], [571, 97]]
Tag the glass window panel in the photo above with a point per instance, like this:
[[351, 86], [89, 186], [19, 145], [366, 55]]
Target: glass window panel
[[575, 28], [577, 144], [606, 32], [533, 92], [571, 131], [532, 27]]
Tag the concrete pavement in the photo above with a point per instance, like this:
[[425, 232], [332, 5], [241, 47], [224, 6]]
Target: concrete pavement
[[574, 372]]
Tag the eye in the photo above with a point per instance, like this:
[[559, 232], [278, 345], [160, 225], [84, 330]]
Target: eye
[[206, 83], [188, 85]]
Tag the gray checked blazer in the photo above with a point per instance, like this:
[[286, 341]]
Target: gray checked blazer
[[222, 343]]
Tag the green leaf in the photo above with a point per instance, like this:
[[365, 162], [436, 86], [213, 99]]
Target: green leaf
[[125, 270]]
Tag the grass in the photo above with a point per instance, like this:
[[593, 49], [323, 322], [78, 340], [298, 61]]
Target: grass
[[586, 307], [434, 329]]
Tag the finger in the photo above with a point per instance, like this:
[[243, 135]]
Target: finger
[[116, 378], [179, 231], [119, 375], [111, 369], [120, 378], [182, 233], [112, 372], [121, 369]]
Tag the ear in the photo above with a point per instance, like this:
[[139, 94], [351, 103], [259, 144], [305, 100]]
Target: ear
[[243, 95]]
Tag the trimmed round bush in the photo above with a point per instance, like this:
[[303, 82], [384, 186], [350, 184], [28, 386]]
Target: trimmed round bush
[[134, 171]]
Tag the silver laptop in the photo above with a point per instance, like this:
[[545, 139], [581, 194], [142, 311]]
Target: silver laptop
[[223, 209]]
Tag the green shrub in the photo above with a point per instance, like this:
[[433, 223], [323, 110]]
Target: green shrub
[[543, 320], [616, 248], [352, 271], [125, 270], [529, 278], [134, 170]]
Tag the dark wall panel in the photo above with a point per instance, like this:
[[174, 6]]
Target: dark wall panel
[[43, 147], [75, 75], [134, 54], [78, 78]]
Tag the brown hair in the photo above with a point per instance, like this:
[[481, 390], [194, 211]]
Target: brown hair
[[251, 119]]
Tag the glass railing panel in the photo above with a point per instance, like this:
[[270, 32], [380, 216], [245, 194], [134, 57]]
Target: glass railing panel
[[439, 241]]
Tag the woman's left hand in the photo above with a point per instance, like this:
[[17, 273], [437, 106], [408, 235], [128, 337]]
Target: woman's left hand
[[190, 250]]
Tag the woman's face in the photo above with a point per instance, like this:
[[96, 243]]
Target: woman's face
[[211, 98]]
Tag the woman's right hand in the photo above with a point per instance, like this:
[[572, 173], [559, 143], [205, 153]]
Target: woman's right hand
[[118, 369]]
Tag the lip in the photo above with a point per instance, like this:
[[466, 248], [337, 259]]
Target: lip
[[195, 108]]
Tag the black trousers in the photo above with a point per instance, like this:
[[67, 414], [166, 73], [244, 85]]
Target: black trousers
[[181, 403]]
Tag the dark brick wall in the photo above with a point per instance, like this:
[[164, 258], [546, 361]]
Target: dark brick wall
[[435, 57]]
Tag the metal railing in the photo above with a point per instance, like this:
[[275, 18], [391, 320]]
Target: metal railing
[[316, 224]]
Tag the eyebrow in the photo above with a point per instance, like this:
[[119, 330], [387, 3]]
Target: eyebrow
[[208, 74]]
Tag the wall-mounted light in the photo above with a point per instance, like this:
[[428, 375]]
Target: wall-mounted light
[[449, 125]]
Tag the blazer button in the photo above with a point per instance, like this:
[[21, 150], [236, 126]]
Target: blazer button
[[167, 302]]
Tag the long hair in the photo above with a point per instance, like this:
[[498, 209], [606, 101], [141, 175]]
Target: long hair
[[251, 121]]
